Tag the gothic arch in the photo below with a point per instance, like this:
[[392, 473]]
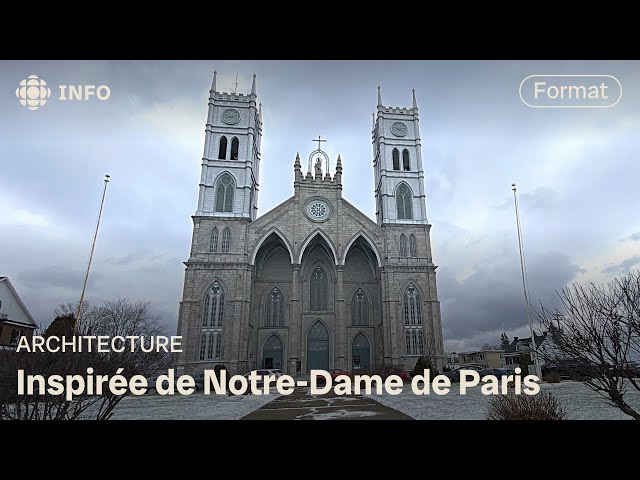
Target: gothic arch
[[365, 237], [310, 237], [407, 201], [278, 233], [418, 287], [208, 285], [233, 186]]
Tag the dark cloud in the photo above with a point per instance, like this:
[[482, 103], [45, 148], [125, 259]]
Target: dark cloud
[[491, 299], [54, 276], [622, 267], [634, 237]]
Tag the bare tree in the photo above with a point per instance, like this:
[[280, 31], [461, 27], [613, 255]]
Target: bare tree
[[120, 317], [595, 336]]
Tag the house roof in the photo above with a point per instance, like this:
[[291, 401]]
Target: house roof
[[512, 347], [480, 351], [29, 317]]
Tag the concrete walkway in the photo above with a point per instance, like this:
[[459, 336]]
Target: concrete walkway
[[301, 405]]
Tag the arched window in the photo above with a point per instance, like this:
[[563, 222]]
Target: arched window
[[235, 144], [404, 198], [226, 240], [213, 312], [396, 159], [222, 149], [225, 187], [412, 308], [212, 316], [213, 246], [275, 308], [413, 246], [405, 160], [360, 308], [318, 290], [403, 245]]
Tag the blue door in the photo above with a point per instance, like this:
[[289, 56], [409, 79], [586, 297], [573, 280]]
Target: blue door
[[318, 347], [272, 352], [360, 352]]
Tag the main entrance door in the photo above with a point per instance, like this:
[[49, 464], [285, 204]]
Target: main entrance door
[[318, 347], [360, 352], [272, 352]]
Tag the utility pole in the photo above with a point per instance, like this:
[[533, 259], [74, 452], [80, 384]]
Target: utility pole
[[525, 286], [93, 246]]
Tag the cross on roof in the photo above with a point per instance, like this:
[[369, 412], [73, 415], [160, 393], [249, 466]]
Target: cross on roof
[[318, 140]]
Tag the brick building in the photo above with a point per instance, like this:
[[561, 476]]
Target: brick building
[[313, 283]]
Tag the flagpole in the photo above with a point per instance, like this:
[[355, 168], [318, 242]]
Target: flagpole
[[525, 285], [93, 246]]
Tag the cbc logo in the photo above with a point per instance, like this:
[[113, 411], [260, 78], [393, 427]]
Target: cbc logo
[[33, 92]]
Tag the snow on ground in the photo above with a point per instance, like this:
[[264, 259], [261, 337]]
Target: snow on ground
[[192, 407], [580, 402]]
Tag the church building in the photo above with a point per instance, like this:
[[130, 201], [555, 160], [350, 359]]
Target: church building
[[314, 283]]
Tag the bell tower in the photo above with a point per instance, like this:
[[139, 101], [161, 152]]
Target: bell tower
[[397, 164], [229, 181]]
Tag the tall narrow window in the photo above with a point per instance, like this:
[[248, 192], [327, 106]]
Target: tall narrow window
[[408, 342], [412, 309], [203, 346], [226, 240], [213, 307], [212, 316], [213, 246], [420, 343], [404, 198], [219, 345], [403, 245], [222, 149], [318, 290], [211, 345], [275, 308], [396, 159], [414, 341], [225, 187], [405, 160], [413, 247], [359, 308], [235, 144]]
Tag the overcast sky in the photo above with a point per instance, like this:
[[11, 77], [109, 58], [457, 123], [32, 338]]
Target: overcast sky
[[577, 172]]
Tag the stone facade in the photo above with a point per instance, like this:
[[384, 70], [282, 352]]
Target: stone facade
[[313, 283]]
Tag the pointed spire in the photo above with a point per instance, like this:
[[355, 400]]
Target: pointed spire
[[297, 171], [415, 103], [339, 162], [373, 121], [338, 176], [213, 83], [253, 85], [379, 97]]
